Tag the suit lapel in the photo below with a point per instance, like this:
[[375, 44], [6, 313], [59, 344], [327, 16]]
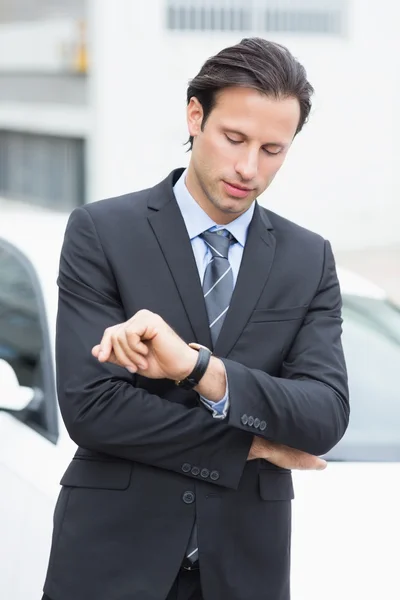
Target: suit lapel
[[169, 227], [254, 270]]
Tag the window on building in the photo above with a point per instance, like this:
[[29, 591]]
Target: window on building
[[324, 17], [33, 10], [42, 169]]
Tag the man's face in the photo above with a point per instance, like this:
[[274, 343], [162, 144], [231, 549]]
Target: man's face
[[241, 148]]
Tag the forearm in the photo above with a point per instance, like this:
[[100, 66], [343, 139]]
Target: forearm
[[213, 383], [114, 417], [307, 406], [305, 414]]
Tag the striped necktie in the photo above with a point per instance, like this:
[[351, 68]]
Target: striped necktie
[[218, 279], [217, 289]]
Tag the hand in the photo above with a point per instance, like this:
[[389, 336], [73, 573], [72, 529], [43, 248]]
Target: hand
[[147, 345], [284, 456]]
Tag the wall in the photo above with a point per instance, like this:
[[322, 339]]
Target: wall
[[341, 176]]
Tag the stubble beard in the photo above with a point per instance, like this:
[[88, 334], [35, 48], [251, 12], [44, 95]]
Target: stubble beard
[[217, 200]]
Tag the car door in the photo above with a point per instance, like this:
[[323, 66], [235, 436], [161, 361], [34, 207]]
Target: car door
[[32, 456], [346, 521]]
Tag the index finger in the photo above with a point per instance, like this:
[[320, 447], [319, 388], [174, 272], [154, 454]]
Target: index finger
[[105, 347]]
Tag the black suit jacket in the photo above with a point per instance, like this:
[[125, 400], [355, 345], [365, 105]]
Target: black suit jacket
[[150, 456]]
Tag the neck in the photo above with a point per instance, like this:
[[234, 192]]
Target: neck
[[219, 217]]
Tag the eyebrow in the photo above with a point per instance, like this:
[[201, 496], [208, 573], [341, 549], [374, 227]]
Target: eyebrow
[[246, 137]]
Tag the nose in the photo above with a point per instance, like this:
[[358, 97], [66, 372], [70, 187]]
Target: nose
[[247, 165]]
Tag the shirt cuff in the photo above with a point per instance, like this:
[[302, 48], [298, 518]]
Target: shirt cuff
[[219, 409]]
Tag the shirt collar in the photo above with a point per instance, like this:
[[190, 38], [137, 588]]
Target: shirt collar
[[197, 220]]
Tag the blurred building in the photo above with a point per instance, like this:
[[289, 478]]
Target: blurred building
[[92, 102], [43, 101]]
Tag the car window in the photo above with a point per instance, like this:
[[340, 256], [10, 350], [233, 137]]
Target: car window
[[371, 341], [24, 337]]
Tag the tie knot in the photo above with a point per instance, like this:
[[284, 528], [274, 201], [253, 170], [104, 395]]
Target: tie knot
[[218, 242]]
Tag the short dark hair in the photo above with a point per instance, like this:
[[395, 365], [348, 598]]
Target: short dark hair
[[253, 63]]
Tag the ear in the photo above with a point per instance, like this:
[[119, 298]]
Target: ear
[[194, 114]]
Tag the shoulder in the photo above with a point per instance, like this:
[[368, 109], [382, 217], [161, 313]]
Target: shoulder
[[118, 207], [306, 251], [111, 218], [294, 237], [130, 210], [284, 228]]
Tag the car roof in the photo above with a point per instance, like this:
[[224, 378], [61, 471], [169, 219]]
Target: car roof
[[39, 232], [353, 284]]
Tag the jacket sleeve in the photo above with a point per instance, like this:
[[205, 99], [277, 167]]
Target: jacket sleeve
[[102, 405], [307, 407]]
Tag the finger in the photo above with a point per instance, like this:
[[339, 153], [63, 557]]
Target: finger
[[132, 350], [114, 360], [96, 350], [290, 458], [127, 358], [106, 344], [123, 360], [144, 324], [322, 464], [141, 348], [132, 342], [309, 461]]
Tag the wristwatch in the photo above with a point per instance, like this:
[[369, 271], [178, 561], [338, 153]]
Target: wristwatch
[[199, 369]]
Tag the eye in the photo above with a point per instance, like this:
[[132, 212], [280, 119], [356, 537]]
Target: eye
[[233, 141], [272, 153]]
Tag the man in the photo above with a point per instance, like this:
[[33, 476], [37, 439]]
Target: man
[[181, 485]]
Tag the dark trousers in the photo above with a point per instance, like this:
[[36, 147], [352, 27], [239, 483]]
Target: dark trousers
[[186, 587]]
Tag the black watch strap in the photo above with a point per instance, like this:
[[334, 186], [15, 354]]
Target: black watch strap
[[199, 369]]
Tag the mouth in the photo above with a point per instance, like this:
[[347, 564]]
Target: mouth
[[236, 190], [239, 187]]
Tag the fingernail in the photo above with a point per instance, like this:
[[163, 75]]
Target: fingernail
[[101, 355], [131, 369], [141, 366], [322, 466]]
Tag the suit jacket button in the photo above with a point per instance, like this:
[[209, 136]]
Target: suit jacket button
[[244, 419], [188, 497], [250, 421], [186, 467], [205, 473], [263, 425], [195, 471], [214, 475], [257, 422]]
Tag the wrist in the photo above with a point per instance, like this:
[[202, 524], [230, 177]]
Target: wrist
[[213, 385], [188, 364]]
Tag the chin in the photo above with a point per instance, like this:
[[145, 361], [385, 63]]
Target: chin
[[231, 207]]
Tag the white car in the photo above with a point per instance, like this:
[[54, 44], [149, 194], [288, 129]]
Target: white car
[[346, 525]]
